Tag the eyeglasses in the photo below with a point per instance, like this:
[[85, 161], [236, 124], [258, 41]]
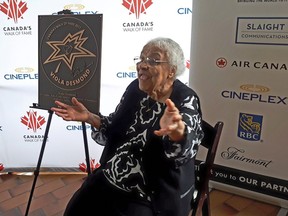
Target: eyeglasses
[[150, 61]]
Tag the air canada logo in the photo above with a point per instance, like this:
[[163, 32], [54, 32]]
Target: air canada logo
[[14, 9], [137, 7], [250, 126], [221, 62], [33, 121], [69, 53]]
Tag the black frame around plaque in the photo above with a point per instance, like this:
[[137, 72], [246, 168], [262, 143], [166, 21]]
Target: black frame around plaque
[[70, 59]]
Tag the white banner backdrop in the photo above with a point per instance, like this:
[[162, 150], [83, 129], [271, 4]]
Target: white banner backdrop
[[239, 68], [124, 34]]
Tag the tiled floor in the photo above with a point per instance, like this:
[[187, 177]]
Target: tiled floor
[[53, 190], [223, 203]]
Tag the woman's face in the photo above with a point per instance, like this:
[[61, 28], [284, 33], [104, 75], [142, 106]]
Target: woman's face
[[154, 78]]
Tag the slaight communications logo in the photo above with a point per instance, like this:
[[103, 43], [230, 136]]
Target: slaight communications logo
[[137, 7], [250, 126], [33, 121], [14, 9]]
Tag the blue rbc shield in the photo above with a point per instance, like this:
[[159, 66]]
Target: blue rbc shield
[[250, 126]]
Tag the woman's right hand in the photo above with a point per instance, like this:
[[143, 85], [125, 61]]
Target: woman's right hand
[[75, 112]]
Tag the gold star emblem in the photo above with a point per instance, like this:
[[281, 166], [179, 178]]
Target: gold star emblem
[[70, 48]]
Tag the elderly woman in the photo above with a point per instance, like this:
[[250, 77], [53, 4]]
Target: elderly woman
[[147, 165]]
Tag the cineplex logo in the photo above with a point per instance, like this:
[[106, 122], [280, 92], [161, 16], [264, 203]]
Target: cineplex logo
[[255, 93]]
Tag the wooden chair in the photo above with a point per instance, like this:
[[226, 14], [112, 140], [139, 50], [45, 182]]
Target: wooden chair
[[201, 203]]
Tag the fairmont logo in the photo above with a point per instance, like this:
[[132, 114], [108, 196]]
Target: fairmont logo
[[233, 153]]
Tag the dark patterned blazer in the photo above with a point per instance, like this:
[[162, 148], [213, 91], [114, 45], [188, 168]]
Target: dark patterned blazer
[[137, 161]]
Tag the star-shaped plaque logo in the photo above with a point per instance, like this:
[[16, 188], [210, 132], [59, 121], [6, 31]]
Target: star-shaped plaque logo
[[70, 48]]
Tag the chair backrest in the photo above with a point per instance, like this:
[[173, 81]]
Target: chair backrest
[[212, 135]]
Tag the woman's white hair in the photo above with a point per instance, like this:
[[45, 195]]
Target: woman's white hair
[[173, 51]]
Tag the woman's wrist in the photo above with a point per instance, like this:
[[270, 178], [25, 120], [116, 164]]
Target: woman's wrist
[[93, 119], [179, 134]]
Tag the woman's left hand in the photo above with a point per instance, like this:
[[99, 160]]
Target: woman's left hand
[[171, 123]]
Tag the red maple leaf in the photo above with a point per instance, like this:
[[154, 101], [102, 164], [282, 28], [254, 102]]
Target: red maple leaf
[[221, 62], [93, 165], [13, 10], [137, 6], [32, 121], [188, 64]]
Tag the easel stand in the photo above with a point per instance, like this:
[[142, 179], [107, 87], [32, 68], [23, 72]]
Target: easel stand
[[37, 170]]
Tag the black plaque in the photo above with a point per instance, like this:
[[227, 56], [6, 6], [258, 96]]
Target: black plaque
[[70, 59]]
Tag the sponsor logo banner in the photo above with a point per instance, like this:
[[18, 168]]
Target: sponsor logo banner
[[251, 181], [262, 30]]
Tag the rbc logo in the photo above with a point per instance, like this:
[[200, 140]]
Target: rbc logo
[[250, 126]]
